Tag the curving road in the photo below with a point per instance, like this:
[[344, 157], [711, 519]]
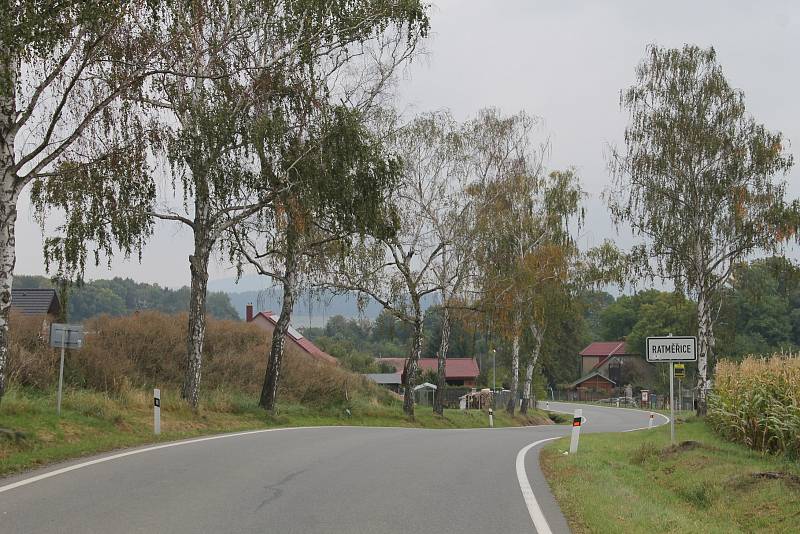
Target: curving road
[[326, 480]]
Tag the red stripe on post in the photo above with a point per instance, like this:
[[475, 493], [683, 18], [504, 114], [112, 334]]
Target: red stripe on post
[[576, 421]]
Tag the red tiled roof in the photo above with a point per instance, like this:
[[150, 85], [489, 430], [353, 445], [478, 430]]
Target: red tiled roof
[[298, 339], [606, 348], [455, 368]]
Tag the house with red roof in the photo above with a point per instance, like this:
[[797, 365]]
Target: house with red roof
[[606, 365], [269, 321], [457, 371]]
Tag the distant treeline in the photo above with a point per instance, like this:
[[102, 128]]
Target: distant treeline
[[758, 313], [123, 296]]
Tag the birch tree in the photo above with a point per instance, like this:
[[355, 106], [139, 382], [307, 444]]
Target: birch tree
[[63, 70], [336, 191], [520, 208], [329, 173], [451, 218], [217, 60], [398, 269], [697, 180]]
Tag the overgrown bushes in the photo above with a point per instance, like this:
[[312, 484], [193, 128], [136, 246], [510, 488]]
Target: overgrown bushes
[[755, 402], [147, 350]]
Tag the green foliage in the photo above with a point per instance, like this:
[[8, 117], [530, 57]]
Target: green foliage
[[647, 313], [465, 342], [760, 311], [123, 296], [697, 174], [358, 343]]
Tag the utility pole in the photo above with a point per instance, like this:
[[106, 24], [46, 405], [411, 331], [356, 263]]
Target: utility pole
[[494, 370]]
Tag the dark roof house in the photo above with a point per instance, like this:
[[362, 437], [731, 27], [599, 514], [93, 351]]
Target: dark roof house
[[35, 301], [387, 379]]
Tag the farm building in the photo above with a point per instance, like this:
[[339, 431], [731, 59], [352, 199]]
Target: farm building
[[391, 381], [36, 302], [607, 365]]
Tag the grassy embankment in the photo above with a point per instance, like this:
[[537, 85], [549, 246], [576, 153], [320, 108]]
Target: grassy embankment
[[636, 483], [108, 399]]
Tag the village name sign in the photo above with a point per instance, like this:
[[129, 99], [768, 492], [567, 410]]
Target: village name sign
[[669, 350], [672, 349]]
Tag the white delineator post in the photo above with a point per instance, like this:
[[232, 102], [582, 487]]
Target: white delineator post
[[548, 405], [491, 418], [650, 422], [576, 430], [157, 411]]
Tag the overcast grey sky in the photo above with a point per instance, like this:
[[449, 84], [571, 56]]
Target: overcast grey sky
[[564, 62]]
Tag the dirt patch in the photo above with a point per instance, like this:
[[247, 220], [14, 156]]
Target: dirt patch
[[776, 475], [528, 420], [744, 481], [12, 435], [683, 446]]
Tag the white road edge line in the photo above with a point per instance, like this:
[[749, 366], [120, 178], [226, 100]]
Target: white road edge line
[[638, 410], [50, 474], [535, 511]]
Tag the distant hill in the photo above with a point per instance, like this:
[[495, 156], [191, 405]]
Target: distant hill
[[123, 296], [310, 310]]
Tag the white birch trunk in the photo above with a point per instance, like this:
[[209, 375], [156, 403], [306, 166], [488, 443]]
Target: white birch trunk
[[412, 363], [534, 358], [444, 347], [705, 341], [198, 265], [269, 391], [9, 193], [512, 401]]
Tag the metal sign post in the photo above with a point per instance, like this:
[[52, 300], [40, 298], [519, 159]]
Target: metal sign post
[[61, 371], [680, 373], [669, 350], [64, 336], [672, 402]]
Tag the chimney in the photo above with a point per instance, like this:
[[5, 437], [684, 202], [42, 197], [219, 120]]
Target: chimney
[[249, 313]]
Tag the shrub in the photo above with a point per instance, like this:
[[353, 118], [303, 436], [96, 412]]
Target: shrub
[[755, 402], [123, 355]]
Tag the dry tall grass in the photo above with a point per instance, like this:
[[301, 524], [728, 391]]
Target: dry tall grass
[[145, 350], [755, 402]]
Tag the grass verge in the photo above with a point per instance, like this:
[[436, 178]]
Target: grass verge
[[635, 483], [32, 435]]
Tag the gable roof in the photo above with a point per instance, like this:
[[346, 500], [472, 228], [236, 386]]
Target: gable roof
[[385, 378], [299, 340], [35, 301], [606, 348], [591, 375], [454, 368]]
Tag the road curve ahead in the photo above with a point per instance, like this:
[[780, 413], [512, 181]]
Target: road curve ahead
[[309, 480]]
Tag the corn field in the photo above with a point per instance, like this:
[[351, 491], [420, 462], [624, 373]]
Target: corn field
[[755, 402]]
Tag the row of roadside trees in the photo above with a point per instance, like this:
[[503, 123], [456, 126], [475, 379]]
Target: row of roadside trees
[[264, 127]]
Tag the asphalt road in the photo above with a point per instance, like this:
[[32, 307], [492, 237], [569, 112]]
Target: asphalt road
[[326, 480]]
